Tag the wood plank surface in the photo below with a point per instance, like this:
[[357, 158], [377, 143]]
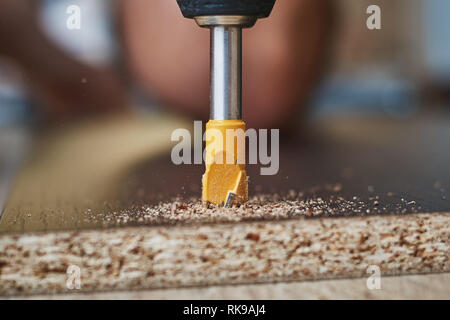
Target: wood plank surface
[[102, 166], [431, 286], [394, 171]]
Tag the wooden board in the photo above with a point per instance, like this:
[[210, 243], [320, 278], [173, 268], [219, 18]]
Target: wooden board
[[398, 171], [432, 286], [102, 166]]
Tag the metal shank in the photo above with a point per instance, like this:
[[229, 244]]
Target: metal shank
[[226, 73]]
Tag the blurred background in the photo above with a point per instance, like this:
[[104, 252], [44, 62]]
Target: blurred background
[[141, 56]]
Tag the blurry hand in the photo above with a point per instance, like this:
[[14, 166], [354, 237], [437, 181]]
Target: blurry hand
[[282, 57], [65, 86]]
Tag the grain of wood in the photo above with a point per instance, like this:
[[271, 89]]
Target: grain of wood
[[231, 253]]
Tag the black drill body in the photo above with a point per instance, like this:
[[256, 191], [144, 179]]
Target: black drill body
[[197, 8]]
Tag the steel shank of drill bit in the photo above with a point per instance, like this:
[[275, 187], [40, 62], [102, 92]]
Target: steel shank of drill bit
[[226, 73], [226, 64]]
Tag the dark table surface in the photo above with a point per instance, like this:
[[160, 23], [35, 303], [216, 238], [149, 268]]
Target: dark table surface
[[391, 166]]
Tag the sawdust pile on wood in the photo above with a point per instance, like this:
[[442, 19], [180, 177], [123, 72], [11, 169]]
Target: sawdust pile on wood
[[259, 207]]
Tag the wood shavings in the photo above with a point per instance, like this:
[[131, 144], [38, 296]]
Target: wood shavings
[[260, 207]]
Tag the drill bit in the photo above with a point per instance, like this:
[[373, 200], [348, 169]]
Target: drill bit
[[225, 180]]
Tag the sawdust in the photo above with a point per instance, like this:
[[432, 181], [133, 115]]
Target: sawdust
[[260, 207]]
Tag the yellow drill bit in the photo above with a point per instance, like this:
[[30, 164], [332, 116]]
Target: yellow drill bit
[[225, 180]]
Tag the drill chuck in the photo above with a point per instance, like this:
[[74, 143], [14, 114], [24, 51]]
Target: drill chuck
[[197, 8]]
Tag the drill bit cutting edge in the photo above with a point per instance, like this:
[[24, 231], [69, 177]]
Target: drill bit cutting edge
[[225, 180]]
